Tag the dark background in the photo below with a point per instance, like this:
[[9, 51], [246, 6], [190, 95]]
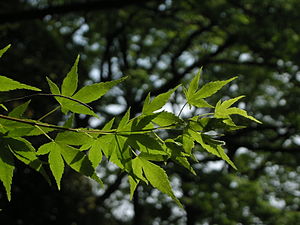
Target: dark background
[[159, 44]]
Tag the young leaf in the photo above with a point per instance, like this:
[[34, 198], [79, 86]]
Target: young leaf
[[56, 162], [6, 169], [158, 178], [3, 50], [7, 84], [69, 84], [93, 92], [158, 102]]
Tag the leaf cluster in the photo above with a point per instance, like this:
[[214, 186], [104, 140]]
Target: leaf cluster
[[134, 144]]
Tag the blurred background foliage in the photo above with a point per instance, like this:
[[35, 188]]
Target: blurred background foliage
[[159, 44]]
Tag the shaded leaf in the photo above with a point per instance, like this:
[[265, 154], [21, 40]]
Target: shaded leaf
[[19, 110], [25, 152]]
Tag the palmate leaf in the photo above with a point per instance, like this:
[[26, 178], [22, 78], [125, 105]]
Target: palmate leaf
[[7, 84], [196, 97], [223, 110], [93, 92], [6, 168], [158, 102]]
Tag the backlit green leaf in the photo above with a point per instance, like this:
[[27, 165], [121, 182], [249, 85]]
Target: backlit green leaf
[[166, 119], [53, 87], [223, 110], [56, 162], [158, 178], [193, 87], [3, 50], [7, 84], [211, 88], [73, 138], [158, 102], [69, 84], [79, 162], [93, 92], [95, 153]]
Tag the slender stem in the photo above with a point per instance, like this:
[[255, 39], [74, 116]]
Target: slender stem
[[54, 95], [44, 133], [182, 108], [47, 114]]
